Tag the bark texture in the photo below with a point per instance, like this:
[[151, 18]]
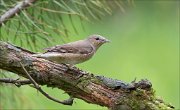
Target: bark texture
[[112, 93]]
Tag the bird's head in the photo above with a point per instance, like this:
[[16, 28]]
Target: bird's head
[[97, 40]]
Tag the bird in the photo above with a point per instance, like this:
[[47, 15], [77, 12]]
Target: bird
[[74, 52]]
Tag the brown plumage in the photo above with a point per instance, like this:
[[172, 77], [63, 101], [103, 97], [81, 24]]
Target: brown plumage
[[74, 52]]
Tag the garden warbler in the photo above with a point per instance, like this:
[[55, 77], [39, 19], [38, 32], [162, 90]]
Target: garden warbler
[[74, 52]]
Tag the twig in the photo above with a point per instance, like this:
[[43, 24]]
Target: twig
[[17, 82], [13, 11], [65, 102]]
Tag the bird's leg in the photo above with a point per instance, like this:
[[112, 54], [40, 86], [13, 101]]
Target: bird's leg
[[65, 65], [71, 65], [68, 65]]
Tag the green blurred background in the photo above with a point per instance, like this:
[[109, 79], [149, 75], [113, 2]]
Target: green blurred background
[[144, 44]]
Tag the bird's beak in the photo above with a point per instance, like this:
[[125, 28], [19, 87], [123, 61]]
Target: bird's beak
[[107, 41]]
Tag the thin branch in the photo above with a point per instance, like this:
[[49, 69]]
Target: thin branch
[[65, 102], [15, 10], [17, 82]]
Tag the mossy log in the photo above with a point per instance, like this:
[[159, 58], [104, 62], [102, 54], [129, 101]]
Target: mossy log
[[111, 93]]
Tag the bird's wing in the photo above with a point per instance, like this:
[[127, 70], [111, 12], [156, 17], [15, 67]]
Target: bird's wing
[[75, 48]]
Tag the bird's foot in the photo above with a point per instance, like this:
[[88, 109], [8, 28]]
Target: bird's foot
[[70, 66]]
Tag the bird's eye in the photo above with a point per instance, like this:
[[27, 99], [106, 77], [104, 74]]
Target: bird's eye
[[97, 38]]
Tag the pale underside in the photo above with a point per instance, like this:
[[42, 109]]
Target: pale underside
[[67, 58]]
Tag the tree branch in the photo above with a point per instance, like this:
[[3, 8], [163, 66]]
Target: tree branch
[[65, 102], [17, 82], [15, 10], [114, 94]]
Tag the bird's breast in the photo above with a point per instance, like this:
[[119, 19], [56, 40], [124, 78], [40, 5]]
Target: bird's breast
[[77, 58]]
